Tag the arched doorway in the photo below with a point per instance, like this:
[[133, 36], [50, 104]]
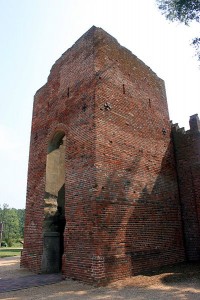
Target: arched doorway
[[54, 205]]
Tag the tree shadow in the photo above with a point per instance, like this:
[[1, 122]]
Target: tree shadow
[[184, 274], [139, 218]]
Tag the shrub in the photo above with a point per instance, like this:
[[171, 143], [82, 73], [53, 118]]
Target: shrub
[[4, 244]]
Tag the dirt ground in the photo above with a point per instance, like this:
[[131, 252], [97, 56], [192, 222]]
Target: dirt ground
[[177, 282]]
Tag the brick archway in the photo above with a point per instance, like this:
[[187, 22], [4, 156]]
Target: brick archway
[[54, 204]]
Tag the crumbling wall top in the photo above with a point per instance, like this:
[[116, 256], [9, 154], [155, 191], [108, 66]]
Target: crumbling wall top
[[194, 123]]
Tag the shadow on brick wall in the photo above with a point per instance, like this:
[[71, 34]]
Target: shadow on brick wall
[[139, 218]]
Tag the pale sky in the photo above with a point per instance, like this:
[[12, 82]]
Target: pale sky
[[34, 34]]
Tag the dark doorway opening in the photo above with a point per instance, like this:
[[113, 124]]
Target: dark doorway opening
[[54, 205]]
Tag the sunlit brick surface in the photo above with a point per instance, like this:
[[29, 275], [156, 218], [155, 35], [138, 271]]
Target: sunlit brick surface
[[122, 205]]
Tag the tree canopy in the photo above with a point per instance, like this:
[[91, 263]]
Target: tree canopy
[[184, 11], [13, 223]]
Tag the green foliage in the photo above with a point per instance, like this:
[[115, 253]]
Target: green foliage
[[184, 11], [196, 44], [4, 244], [21, 217], [13, 224]]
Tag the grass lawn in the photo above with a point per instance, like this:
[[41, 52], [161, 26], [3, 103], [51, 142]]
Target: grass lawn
[[6, 252]]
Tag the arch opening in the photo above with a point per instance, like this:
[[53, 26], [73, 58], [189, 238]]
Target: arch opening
[[54, 205]]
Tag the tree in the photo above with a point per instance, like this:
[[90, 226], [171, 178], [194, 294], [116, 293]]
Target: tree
[[184, 11], [13, 223], [11, 226], [21, 217]]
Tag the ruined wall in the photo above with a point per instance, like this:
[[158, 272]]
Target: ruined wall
[[64, 106], [122, 207], [187, 150], [138, 208]]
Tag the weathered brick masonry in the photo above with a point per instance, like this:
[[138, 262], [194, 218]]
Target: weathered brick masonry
[[103, 190], [187, 149]]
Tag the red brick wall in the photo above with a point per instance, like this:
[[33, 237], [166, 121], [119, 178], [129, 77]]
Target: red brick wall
[[122, 207], [65, 103], [187, 150], [138, 209]]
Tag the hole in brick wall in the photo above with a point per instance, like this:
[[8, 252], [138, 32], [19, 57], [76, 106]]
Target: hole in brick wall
[[107, 106], [164, 131], [123, 89], [68, 92], [84, 107], [150, 103]]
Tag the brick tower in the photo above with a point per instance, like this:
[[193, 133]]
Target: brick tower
[[102, 194]]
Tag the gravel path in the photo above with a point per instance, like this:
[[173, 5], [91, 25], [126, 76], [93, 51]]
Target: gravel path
[[181, 282]]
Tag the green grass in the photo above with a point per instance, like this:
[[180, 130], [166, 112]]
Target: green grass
[[7, 252]]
